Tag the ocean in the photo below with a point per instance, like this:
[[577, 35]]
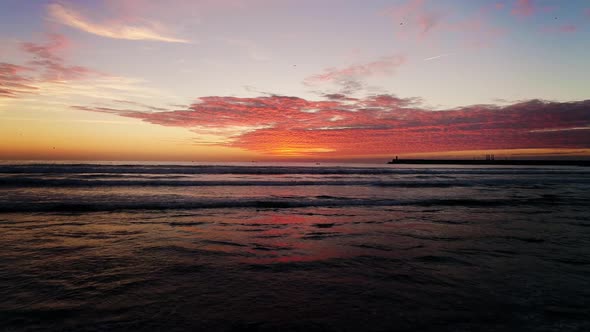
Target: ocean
[[294, 247]]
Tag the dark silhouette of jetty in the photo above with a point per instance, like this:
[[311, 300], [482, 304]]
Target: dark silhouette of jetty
[[490, 161]]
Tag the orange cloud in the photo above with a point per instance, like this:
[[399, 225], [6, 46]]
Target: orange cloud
[[112, 29], [376, 125]]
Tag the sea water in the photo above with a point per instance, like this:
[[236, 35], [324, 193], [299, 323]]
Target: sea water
[[305, 247]]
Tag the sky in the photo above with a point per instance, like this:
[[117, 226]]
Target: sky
[[293, 80]]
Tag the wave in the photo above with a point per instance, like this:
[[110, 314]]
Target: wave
[[148, 182], [260, 203], [270, 170]]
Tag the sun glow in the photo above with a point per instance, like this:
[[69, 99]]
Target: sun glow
[[298, 151]]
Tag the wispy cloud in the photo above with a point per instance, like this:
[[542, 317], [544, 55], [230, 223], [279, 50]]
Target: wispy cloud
[[438, 56], [413, 18], [385, 65], [140, 105], [46, 59], [45, 77], [46, 66], [13, 81], [523, 8], [349, 79], [566, 28], [420, 20], [111, 29]]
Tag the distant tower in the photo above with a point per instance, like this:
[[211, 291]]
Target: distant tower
[[395, 157]]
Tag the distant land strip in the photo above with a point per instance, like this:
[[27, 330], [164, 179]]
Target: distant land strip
[[585, 163]]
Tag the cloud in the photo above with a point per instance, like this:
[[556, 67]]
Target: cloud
[[52, 66], [378, 124], [566, 28], [419, 20], [338, 96], [385, 65], [412, 16], [46, 66], [56, 43], [110, 29], [140, 105], [349, 79], [438, 56], [523, 8], [13, 82], [45, 78]]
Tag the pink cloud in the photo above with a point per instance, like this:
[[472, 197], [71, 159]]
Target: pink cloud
[[349, 79], [523, 8], [566, 28], [55, 44], [383, 66], [45, 66], [414, 19], [13, 82], [47, 60], [421, 21], [381, 124]]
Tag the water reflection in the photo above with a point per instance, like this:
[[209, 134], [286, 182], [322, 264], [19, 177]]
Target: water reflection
[[328, 268]]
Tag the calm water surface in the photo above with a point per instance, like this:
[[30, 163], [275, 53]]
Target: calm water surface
[[294, 247]]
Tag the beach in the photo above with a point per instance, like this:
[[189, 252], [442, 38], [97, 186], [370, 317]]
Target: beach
[[294, 246]]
